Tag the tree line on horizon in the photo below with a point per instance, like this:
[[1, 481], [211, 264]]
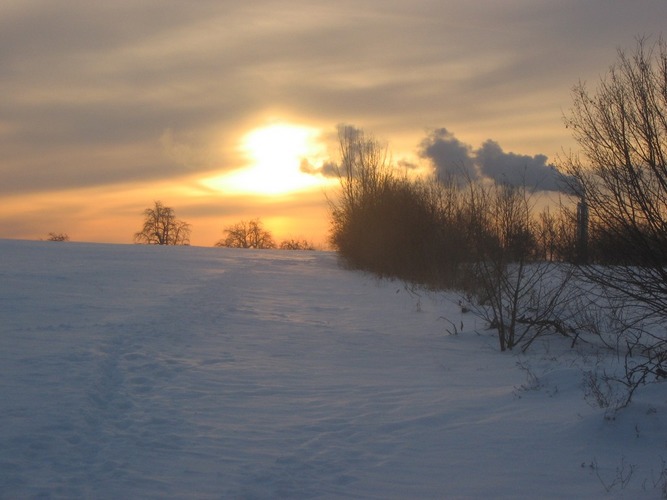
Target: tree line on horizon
[[161, 227]]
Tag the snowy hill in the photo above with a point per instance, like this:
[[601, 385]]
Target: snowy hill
[[182, 372]]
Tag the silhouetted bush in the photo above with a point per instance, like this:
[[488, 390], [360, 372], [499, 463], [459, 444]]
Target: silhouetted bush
[[393, 231], [250, 234], [393, 226], [295, 244], [57, 237]]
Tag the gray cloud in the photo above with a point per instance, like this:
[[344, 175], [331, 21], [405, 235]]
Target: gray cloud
[[517, 169], [451, 158]]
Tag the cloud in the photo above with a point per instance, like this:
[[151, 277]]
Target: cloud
[[514, 169], [326, 168], [188, 150], [451, 158]]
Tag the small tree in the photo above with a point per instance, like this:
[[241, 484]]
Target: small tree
[[249, 234], [57, 237], [161, 227], [364, 173]]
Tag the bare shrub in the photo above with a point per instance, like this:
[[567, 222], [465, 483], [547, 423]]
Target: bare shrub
[[516, 292], [247, 234], [57, 237], [635, 342], [617, 479], [296, 244]]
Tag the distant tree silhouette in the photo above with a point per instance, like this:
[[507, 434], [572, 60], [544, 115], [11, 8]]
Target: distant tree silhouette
[[57, 237], [293, 244], [247, 234], [161, 227]]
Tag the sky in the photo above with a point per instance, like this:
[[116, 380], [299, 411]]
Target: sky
[[214, 107]]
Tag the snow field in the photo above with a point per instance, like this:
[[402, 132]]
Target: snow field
[[153, 372]]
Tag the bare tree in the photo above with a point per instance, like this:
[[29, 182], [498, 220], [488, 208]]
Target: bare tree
[[161, 227], [364, 163], [359, 214], [621, 174], [250, 234], [295, 244], [58, 237], [363, 172]]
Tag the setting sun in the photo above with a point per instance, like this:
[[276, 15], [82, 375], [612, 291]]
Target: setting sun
[[275, 153]]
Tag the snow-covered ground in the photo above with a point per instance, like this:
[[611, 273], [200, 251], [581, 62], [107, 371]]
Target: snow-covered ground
[[182, 372]]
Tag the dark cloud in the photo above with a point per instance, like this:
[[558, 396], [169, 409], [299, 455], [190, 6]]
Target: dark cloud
[[533, 172], [452, 158]]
